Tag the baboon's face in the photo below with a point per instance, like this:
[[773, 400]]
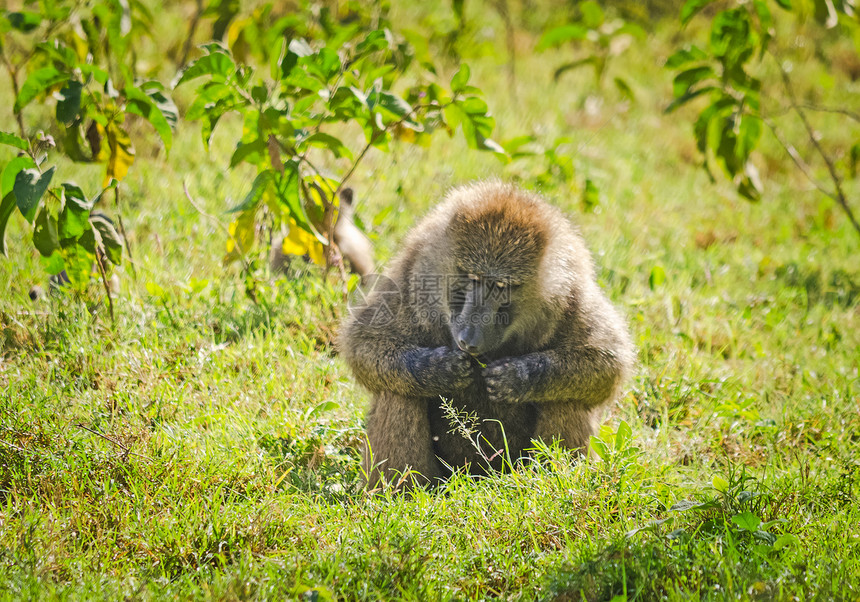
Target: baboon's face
[[483, 307], [495, 254]]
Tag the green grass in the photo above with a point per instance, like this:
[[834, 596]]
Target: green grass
[[206, 447]]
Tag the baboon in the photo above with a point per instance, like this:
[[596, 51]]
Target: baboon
[[492, 304], [355, 247]]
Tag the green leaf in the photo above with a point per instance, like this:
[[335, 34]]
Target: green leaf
[[38, 82], [218, 65], [473, 105], [155, 91], [786, 4], [289, 195], [74, 219], [7, 207], [592, 14], [394, 104], [590, 196], [624, 88], [785, 540], [13, 140], [29, 187], [321, 408], [111, 241], [702, 126], [73, 193], [296, 49], [69, 105], [600, 448], [517, 147], [325, 65], [253, 152], [687, 79], [328, 141], [258, 187], [657, 277], [684, 56], [732, 39], [24, 21], [749, 133], [747, 521], [623, 435], [720, 484], [45, 235], [54, 263], [78, 263], [10, 172], [461, 78], [560, 35], [374, 41], [687, 97], [691, 8], [141, 104]]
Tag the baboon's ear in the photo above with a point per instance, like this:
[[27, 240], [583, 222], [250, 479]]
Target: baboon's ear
[[346, 196]]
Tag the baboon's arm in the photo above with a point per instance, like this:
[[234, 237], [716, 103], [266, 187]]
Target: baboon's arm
[[589, 375], [382, 362]]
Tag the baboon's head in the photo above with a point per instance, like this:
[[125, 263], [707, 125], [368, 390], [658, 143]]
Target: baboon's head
[[496, 245]]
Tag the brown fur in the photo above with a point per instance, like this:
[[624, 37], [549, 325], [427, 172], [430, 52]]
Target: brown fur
[[543, 360]]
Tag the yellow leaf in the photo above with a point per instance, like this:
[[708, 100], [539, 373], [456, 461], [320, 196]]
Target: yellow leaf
[[242, 232], [236, 38], [299, 242], [121, 153]]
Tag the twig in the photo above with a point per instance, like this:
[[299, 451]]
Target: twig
[[122, 231], [124, 448], [18, 449], [186, 47], [839, 196], [798, 160], [846, 112], [15, 90]]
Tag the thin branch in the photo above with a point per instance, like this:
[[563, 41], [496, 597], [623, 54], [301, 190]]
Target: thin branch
[[798, 160], [122, 231], [831, 168], [13, 73], [845, 112], [192, 29], [126, 450]]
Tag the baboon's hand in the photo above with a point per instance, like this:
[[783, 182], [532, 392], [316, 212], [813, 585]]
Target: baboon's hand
[[507, 380], [441, 370]]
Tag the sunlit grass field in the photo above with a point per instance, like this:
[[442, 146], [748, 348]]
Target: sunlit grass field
[[206, 446]]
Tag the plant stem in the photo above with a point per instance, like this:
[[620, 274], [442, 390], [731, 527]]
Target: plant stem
[[839, 195], [13, 76]]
